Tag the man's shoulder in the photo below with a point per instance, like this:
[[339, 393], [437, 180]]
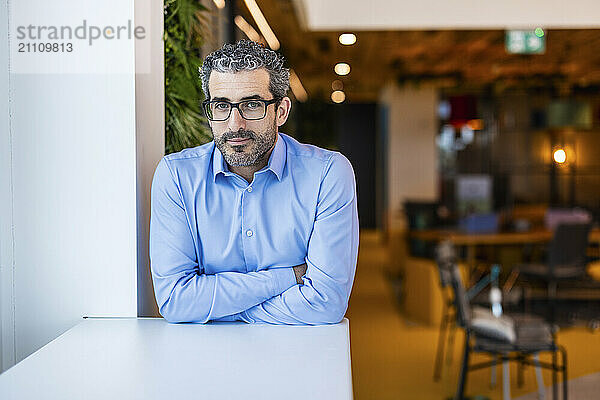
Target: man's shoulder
[[203, 151], [191, 162], [314, 154], [305, 150]]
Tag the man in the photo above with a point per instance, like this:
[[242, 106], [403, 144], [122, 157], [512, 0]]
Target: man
[[253, 226]]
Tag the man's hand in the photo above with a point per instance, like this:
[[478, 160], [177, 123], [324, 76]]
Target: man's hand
[[300, 270]]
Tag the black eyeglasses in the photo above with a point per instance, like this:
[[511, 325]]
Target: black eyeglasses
[[220, 110]]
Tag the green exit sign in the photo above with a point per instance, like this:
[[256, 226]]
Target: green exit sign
[[526, 42]]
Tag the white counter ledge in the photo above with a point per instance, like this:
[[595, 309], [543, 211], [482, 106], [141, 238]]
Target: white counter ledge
[[150, 359]]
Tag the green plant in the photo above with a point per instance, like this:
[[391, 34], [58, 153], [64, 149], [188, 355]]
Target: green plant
[[184, 32]]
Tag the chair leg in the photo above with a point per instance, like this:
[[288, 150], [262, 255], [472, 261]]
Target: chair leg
[[451, 335], [538, 377], [493, 372], [564, 373], [464, 369], [437, 370], [505, 380], [554, 377], [520, 372]]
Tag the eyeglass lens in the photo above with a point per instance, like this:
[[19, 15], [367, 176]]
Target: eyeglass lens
[[250, 109]]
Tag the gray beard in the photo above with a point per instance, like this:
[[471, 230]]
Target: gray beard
[[235, 155]]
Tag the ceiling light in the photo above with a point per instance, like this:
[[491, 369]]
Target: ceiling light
[[338, 96], [297, 88], [342, 68], [262, 24], [347, 39], [219, 3], [245, 27]]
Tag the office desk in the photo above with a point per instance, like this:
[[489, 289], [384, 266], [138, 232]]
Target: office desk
[[150, 359], [499, 238]]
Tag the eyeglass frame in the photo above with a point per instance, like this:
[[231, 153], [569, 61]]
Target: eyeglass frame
[[267, 103]]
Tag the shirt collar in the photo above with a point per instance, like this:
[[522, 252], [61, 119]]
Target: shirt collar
[[219, 165], [277, 158], [275, 164]]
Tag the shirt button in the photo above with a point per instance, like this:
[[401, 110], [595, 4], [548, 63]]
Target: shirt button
[[249, 233], [249, 188]]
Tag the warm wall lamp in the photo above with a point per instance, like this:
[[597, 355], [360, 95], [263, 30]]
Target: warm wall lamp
[[559, 156]]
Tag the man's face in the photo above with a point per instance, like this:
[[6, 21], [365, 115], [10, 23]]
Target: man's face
[[243, 142]]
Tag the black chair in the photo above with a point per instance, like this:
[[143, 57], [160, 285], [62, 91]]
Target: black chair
[[421, 215], [447, 323], [566, 260], [480, 298], [516, 338], [445, 251]]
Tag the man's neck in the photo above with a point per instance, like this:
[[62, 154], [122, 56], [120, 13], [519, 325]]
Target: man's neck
[[247, 172]]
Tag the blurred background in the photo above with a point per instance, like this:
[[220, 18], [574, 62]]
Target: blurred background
[[472, 124], [469, 122]]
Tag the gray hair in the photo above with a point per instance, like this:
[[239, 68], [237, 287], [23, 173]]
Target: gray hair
[[247, 55]]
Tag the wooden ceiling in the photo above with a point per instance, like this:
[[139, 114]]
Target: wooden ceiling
[[450, 59]]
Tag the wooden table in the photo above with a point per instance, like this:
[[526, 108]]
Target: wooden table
[[472, 240], [500, 238]]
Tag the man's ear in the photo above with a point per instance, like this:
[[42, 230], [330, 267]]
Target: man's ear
[[283, 111], [210, 123]]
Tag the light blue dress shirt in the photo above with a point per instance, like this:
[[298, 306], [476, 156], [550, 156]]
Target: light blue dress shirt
[[222, 249]]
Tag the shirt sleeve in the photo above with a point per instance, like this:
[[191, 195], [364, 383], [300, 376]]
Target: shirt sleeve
[[331, 257], [184, 294]]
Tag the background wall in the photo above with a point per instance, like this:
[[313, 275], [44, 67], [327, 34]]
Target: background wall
[[150, 137], [349, 128], [411, 150], [68, 189], [6, 250], [356, 135], [523, 151]]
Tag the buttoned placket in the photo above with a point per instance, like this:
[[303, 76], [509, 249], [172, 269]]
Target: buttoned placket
[[248, 229]]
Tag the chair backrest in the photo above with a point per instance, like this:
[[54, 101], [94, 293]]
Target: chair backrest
[[568, 247], [445, 256], [461, 302], [450, 276]]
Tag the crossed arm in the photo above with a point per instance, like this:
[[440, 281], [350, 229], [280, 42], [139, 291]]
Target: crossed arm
[[314, 292]]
